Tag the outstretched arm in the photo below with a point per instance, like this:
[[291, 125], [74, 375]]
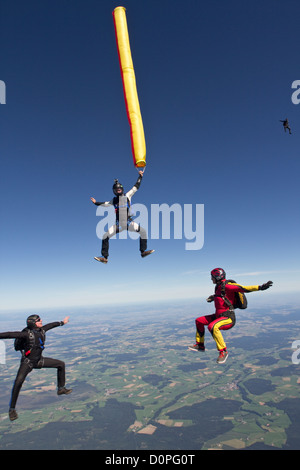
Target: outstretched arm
[[13, 334], [54, 324], [239, 288], [106, 203], [139, 180], [133, 190]]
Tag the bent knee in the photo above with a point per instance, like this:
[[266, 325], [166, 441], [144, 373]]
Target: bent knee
[[200, 321]]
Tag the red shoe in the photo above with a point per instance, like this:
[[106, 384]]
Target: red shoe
[[222, 357]]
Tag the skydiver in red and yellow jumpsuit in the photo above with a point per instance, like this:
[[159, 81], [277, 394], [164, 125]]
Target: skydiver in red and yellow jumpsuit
[[224, 316]]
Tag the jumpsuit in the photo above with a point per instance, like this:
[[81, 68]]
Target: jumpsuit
[[286, 126], [123, 219], [224, 316], [32, 358]]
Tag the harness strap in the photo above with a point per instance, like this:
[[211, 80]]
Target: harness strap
[[223, 296], [32, 342]]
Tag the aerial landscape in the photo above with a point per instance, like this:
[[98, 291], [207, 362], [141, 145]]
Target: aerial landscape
[[148, 391]]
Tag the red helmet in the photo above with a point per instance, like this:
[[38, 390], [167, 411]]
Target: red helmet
[[218, 274]]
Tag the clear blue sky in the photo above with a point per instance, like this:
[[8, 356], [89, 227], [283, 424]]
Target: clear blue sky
[[214, 79]]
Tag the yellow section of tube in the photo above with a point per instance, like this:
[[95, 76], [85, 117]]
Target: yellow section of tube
[[130, 91]]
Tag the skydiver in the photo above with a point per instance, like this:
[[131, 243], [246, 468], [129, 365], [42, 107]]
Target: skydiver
[[31, 344], [286, 125], [224, 316], [124, 221]]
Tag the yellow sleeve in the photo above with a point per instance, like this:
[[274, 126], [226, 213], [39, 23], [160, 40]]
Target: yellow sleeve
[[240, 288], [250, 288]]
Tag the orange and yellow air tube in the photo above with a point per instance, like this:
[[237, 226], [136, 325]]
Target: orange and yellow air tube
[[130, 91]]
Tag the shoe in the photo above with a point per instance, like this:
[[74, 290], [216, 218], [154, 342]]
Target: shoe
[[197, 347], [12, 414], [222, 357], [146, 253], [64, 391], [101, 259]]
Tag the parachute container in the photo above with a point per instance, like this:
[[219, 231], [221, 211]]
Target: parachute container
[[137, 135]]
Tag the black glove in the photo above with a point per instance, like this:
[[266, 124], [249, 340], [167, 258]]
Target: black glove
[[266, 285], [210, 298]]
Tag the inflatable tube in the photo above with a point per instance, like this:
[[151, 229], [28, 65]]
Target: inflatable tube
[[130, 91]]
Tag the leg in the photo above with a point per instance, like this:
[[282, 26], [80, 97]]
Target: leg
[[105, 240], [47, 362], [221, 323], [215, 327], [134, 227], [143, 239], [24, 369], [201, 322]]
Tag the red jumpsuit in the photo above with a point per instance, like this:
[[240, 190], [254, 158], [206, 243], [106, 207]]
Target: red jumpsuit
[[223, 318]]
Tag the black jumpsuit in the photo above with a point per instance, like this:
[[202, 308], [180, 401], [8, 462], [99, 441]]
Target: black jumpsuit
[[32, 358]]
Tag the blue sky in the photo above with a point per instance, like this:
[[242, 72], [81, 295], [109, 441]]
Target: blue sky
[[214, 79]]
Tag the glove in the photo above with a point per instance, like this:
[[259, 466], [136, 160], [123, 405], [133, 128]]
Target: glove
[[266, 285], [210, 298]]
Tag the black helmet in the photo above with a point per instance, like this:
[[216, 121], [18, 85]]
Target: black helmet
[[31, 321], [117, 186], [218, 274]]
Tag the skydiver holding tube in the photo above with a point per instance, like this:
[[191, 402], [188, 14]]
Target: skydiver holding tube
[[124, 221]]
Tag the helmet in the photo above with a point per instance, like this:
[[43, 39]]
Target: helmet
[[218, 274], [31, 321], [116, 187]]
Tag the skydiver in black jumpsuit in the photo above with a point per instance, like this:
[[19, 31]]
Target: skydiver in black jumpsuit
[[33, 338], [286, 125]]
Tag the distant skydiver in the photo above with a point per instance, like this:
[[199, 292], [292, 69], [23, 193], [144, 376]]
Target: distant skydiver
[[286, 125], [224, 316], [30, 342], [121, 203]]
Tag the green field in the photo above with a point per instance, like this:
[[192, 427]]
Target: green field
[[137, 386]]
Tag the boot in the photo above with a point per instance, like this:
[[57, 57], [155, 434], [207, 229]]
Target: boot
[[197, 347], [12, 414], [64, 391], [101, 259], [146, 253]]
